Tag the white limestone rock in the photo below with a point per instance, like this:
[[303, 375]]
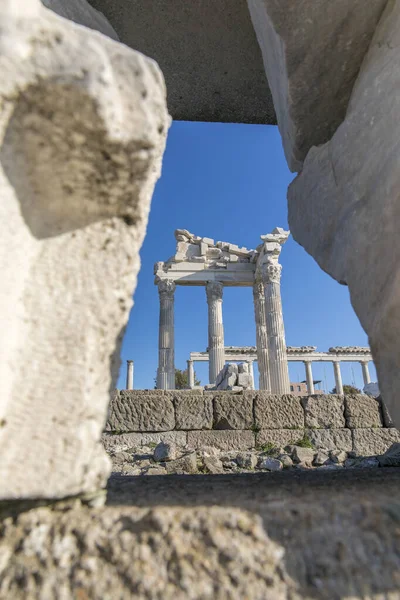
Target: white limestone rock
[[83, 128], [312, 53], [344, 205]]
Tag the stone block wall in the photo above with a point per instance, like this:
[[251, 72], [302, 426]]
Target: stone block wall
[[246, 420]]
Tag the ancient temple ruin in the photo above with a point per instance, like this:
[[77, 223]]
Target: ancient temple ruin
[[201, 261]]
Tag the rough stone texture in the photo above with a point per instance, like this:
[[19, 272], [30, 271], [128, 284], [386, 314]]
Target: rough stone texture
[[183, 465], [278, 412], [324, 411], [232, 411], [224, 440], [80, 11], [331, 439], [278, 437], [343, 215], [312, 53], [362, 411], [271, 464], [165, 451], [130, 411], [124, 441], [76, 187], [321, 458], [135, 552], [373, 441], [303, 455], [391, 458], [193, 412], [207, 33], [246, 460], [213, 465]]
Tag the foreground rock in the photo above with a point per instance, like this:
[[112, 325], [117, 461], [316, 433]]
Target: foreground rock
[[343, 215], [83, 129]]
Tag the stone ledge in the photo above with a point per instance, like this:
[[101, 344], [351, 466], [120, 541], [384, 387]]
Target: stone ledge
[[227, 439], [331, 439], [125, 441], [193, 412], [278, 437], [131, 411], [368, 442], [233, 412], [362, 411], [278, 412]]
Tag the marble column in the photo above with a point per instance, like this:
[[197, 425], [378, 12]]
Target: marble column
[[365, 372], [166, 351], [251, 373], [309, 377], [190, 374], [216, 349], [129, 374], [261, 336], [338, 377], [278, 364]]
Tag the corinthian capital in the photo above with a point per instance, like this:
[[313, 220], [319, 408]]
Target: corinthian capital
[[166, 288], [271, 272], [214, 291]]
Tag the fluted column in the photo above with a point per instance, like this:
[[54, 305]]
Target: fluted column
[[309, 377], [216, 349], [338, 377], [251, 373], [365, 372], [129, 374], [190, 374], [278, 364], [166, 358], [261, 336]]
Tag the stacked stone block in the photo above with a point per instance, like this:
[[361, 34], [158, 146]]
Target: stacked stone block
[[250, 419]]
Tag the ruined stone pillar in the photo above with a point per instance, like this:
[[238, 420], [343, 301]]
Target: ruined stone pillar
[[129, 374], [251, 372], [261, 336], [166, 349], [365, 372], [216, 349], [190, 374], [278, 364], [338, 377], [309, 376]]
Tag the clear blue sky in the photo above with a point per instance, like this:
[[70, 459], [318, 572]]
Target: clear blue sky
[[229, 182]]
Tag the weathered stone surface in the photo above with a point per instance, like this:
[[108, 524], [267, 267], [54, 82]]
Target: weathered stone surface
[[286, 460], [213, 465], [278, 437], [123, 441], [187, 464], [161, 553], [165, 451], [193, 412], [331, 439], [278, 412], [312, 54], [271, 464], [362, 411], [246, 460], [130, 411], [224, 440], [76, 187], [233, 411], [320, 458], [303, 455], [324, 411], [342, 215], [391, 458], [80, 11], [374, 441]]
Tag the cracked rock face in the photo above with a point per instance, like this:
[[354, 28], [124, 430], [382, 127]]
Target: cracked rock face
[[83, 128], [344, 205]]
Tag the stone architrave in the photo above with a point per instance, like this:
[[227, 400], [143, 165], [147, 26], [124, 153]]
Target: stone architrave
[[309, 377], [278, 364], [166, 335], [261, 336], [216, 348], [344, 205], [83, 129]]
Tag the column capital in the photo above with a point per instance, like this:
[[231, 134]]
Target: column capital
[[271, 272], [214, 290], [166, 288]]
